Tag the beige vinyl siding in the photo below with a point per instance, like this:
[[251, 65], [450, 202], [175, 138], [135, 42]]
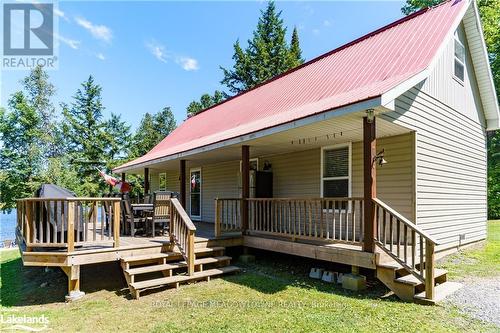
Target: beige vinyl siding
[[299, 174], [218, 180], [460, 96], [451, 168], [395, 184], [154, 181], [296, 174]]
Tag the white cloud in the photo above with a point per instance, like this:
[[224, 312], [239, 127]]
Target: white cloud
[[188, 64], [100, 56], [98, 31], [74, 44], [61, 14], [316, 31], [157, 50], [327, 23]]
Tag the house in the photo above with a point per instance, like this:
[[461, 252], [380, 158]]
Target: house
[[371, 155]]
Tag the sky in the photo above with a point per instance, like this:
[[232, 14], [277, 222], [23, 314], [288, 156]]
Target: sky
[[148, 55]]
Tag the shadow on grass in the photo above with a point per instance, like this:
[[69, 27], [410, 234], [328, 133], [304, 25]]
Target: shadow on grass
[[274, 272], [24, 286]]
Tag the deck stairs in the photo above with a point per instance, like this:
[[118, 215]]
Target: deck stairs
[[144, 272], [411, 289]]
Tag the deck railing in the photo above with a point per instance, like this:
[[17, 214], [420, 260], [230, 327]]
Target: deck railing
[[68, 222], [182, 232], [406, 243], [329, 219], [228, 215]]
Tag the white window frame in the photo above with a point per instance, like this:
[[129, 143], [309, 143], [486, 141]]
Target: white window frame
[[196, 217], [256, 159], [456, 38], [349, 177], [159, 181]]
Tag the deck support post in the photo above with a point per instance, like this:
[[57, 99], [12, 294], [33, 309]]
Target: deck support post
[[146, 182], [370, 183], [245, 186], [123, 176], [73, 274], [182, 179]]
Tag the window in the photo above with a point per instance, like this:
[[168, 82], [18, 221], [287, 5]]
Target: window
[[254, 164], [459, 63], [162, 181], [336, 171]]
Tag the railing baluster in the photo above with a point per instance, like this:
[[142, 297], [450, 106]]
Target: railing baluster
[[391, 237], [405, 239], [413, 246], [398, 237], [421, 268]]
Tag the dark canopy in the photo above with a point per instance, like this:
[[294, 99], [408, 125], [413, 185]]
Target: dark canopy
[[53, 191]]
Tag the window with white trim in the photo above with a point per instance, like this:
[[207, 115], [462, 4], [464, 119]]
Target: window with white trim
[[162, 181], [459, 63], [336, 171]]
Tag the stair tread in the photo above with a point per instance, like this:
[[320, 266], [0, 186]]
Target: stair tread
[[209, 260], [391, 265], [150, 256], [164, 267], [183, 278], [411, 279], [440, 292], [199, 250]]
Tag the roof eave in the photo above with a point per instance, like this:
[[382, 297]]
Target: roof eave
[[371, 102]]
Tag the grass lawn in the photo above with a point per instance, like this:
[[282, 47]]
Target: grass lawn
[[267, 296], [482, 261]]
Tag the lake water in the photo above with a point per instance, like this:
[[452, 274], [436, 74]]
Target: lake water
[[8, 226]]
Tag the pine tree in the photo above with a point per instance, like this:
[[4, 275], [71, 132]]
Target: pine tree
[[164, 123], [151, 130], [295, 54], [205, 102], [117, 134], [39, 92], [21, 154], [266, 55], [84, 129]]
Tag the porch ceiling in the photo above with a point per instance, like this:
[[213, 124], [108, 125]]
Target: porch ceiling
[[323, 133]]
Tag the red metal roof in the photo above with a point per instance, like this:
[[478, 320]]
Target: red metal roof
[[362, 69]]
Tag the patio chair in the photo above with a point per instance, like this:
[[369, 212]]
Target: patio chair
[[161, 211], [128, 216]]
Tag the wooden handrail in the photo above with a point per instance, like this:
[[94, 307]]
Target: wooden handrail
[[392, 237], [68, 222], [327, 219], [306, 198], [182, 232], [228, 215], [70, 199], [405, 221]]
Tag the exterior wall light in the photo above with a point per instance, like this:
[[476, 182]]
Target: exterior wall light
[[370, 115], [379, 158]]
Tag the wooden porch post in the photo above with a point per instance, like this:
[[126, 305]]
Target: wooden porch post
[[245, 185], [182, 185], [123, 176], [370, 183], [146, 181]]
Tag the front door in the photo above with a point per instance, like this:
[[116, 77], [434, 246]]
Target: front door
[[195, 194]]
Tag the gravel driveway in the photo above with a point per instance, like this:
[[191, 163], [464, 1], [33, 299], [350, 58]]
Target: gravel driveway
[[479, 297]]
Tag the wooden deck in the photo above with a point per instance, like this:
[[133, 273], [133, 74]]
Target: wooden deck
[[105, 251]]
